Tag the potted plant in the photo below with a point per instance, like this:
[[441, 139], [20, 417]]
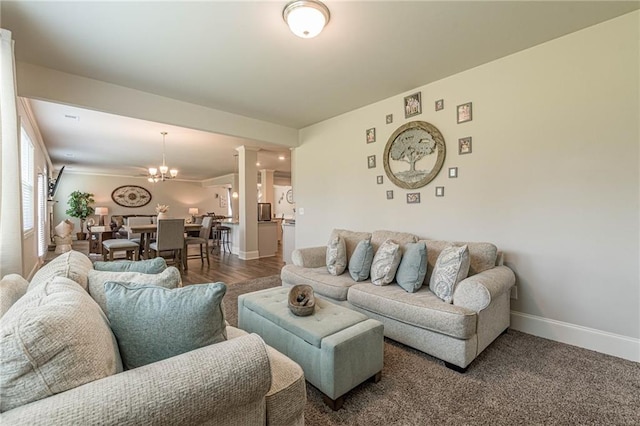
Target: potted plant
[[80, 207]]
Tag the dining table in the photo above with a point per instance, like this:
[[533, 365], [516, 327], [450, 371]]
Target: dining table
[[146, 231]]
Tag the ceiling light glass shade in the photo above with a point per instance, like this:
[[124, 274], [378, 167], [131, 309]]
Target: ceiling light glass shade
[[164, 170], [173, 173], [234, 195], [153, 170], [306, 18]]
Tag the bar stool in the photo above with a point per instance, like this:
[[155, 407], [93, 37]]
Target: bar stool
[[223, 233]]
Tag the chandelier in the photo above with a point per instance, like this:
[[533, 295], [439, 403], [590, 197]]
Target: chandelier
[[162, 173]]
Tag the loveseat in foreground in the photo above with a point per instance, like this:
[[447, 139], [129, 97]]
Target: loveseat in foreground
[[240, 381], [454, 332]]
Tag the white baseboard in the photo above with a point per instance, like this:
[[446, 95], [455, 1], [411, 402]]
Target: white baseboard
[[576, 335], [249, 255]]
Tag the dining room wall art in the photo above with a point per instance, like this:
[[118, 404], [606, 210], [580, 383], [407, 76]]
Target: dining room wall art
[[131, 196]]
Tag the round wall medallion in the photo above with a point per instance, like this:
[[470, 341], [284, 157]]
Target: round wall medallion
[[131, 196], [290, 196], [414, 154]]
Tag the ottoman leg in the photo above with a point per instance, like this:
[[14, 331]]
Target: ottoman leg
[[334, 404]]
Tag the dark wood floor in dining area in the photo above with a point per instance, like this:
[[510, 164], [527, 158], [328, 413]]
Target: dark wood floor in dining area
[[229, 269], [225, 267]]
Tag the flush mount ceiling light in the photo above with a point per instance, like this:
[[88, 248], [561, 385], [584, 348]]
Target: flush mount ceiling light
[[306, 18]]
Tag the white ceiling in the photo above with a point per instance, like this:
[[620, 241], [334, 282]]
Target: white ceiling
[[239, 57]]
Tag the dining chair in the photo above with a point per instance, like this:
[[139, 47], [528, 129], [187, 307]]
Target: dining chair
[[170, 237], [135, 237], [202, 239]]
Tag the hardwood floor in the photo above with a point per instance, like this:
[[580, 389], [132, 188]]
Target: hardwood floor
[[229, 269], [224, 267]]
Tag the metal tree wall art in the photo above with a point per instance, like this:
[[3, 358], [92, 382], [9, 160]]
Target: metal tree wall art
[[414, 155]]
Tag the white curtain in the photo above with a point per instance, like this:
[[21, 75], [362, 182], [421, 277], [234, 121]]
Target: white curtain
[[10, 187]]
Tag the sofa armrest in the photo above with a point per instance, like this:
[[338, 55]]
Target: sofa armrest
[[477, 291], [192, 388], [310, 257]]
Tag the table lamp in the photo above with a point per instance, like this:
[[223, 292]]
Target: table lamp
[[102, 212], [193, 211]]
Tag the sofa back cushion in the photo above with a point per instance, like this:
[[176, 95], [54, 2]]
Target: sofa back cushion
[[482, 256], [169, 278], [12, 288], [351, 239], [402, 238], [72, 264], [54, 338]]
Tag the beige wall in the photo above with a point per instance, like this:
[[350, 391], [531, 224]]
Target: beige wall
[[30, 259], [179, 195], [553, 179]]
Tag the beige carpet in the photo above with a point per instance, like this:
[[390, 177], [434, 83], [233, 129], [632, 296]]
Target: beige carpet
[[518, 380]]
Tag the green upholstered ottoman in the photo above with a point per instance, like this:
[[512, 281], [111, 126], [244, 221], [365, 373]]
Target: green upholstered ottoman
[[336, 347]]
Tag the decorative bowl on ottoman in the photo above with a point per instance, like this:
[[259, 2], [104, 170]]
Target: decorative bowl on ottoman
[[302, 301]]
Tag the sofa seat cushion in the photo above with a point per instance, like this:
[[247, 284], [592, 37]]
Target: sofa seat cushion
[[327, 319], [323, 283], [54, 338], [421, 309], [73, 265]]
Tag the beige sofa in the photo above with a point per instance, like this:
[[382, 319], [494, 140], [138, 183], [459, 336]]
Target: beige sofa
[[240, 381], [456, 333]]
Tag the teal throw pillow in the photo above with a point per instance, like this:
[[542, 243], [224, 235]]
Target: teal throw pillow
[[148, 266], [361, 259], [413, 267], [152, 323]]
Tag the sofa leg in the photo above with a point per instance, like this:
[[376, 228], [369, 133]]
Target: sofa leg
[[334, 404], [376, 377], [455, 368]]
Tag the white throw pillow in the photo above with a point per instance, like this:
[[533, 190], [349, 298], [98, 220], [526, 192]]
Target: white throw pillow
[[336, 256], [169, 278], [385, 263], [54, 338], [451, 267]]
